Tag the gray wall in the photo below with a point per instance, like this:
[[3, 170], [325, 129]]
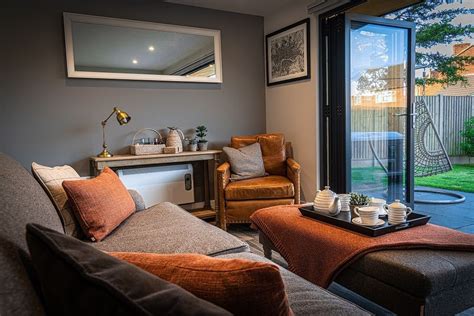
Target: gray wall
[[53, 120]]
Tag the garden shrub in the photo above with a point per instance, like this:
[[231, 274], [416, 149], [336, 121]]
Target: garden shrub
[[467, 145]]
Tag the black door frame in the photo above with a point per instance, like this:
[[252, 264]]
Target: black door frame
[[335, 149]]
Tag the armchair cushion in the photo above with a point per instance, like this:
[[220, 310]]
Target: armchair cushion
[[273, 150], [245, 162], [271, 187]]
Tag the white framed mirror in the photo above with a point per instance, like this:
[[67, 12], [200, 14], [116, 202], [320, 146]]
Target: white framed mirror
[[109, 48]]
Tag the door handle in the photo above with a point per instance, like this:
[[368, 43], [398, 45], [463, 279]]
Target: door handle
[[405, 114], [413, 115]]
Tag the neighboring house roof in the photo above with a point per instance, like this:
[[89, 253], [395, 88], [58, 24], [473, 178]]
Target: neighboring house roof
[[463, 49], [467, 51]]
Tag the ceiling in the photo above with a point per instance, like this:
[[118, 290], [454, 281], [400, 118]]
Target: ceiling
[[268, 7], [254, 7]]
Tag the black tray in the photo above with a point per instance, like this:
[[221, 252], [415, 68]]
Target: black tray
[[344, 220]]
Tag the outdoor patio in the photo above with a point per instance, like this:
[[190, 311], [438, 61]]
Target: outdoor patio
[[457, 216]]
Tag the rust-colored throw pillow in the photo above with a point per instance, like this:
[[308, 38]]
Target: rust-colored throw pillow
[[242, 287], [100, 204]]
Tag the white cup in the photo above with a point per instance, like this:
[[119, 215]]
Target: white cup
[[380, 204], [369, 215]]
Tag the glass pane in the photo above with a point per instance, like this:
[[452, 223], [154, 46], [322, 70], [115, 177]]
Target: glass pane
[[123, 49], [379, 61]]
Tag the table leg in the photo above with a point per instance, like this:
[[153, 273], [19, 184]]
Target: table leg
[[266, 244], [207, 195]]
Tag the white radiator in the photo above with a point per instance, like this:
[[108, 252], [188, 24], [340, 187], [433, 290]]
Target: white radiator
[[173, 183]]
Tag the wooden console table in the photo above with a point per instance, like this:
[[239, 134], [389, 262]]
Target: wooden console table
[[211, 156]]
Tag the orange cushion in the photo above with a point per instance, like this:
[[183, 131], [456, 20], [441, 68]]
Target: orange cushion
[[99, 204], [271, 187], [242, 287]]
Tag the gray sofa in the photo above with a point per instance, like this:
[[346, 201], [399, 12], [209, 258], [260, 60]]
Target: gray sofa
[[164, 228]]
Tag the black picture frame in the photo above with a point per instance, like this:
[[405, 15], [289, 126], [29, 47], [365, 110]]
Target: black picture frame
[[306, 74]]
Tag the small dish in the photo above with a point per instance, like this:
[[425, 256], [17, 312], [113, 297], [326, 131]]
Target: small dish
[[358, 221]]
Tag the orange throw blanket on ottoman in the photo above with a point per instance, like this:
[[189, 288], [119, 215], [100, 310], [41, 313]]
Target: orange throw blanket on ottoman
[[318, 251]]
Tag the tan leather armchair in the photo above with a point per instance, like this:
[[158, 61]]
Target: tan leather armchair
[[239, 199]]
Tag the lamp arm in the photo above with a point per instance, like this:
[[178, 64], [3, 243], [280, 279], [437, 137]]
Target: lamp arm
[[104, 145], [104, 123], [108, 117]]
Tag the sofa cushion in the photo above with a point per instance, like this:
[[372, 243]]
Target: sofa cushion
[[51, 178], [271, 187], [22, 201], [77, 279], [245, 162], [306, 298], [100, 204], [167, 228], [273, 150], [242, 287]]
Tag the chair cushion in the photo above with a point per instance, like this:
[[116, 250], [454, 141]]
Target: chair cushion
[[100, 204], [306, 298], [241, 286], [77, 279], [167, 228], [245, 162], [240, 211], [51, 178], [273, 150], [271, 187]]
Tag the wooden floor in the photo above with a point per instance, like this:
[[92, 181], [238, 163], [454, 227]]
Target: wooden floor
[[250, 236]]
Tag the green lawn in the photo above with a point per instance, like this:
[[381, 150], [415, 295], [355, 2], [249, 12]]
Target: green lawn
[[461, 178]]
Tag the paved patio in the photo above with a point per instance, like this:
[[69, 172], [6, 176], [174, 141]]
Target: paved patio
[[457, 216]]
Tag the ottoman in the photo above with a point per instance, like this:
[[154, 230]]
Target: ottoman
[[406, 281]]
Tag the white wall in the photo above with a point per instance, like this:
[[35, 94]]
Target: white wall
[[292, 108]]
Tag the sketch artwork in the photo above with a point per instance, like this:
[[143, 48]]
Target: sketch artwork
[[288, 54]]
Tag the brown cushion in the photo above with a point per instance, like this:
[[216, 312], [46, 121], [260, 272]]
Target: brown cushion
[[273, 150], [241, 286], [100, 204], [271, 187], [51, 179]]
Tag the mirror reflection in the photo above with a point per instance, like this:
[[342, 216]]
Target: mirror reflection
[[101, 50]]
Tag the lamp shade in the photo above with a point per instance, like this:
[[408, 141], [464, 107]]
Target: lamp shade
[[123, 117]]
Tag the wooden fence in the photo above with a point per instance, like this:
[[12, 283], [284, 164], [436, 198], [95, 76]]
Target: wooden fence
[[448, 113]]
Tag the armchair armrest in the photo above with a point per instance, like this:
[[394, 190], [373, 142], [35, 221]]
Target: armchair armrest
[[293, 172], [223, 179]]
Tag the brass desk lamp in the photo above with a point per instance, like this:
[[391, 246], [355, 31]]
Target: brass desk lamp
[[123, 118]]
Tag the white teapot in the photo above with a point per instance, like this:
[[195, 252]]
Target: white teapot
[[397, 212], [327, 202]]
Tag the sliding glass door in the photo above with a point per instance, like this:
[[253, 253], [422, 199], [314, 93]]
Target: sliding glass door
[[367, 101]]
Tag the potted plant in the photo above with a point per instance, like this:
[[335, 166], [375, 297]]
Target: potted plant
[[201, 132], [192, 144], [358, 199]]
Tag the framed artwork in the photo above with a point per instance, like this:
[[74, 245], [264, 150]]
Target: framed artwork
[[288, 54]]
